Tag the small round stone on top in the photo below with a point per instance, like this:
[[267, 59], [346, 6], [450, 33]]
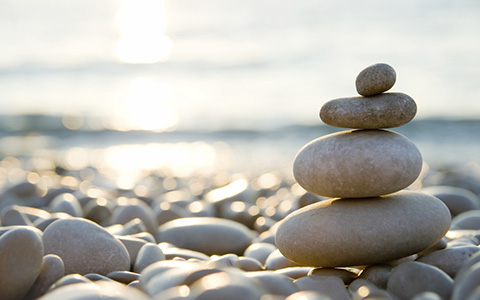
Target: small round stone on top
[[375, 79]]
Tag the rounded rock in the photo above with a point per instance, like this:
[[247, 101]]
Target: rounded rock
[[358, 163], [105, 290], [381, 111], [375, 79], [21, 253], [330, 286], [260, 251], [469, 219], [147, 255], [458, 200], [52, 269], [412, 278], [405, 223], [207, 235], [85, 247], [449, 260], [377, 274]]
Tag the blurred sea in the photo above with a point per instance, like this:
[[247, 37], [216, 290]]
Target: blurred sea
[[204, 86]]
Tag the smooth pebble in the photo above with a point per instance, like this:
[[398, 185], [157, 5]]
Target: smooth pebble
[[375, 79], [207, 235], [358, 163], [380, 111], [339, 232], [412, 278], [21, 253], [85, 247]]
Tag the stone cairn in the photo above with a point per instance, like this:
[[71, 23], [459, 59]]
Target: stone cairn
[[369, 219]]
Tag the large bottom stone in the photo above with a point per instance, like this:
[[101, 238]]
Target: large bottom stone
[[349, 232]]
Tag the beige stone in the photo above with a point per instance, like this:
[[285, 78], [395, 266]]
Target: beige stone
[[412, 278], [353, 232], [21, 252], [85, 247], [358, 163], [381, 111], [375, 79], [207, 235]]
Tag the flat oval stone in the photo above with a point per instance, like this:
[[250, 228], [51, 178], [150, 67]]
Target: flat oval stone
[[85, 247], [358, 163], [375, 79], [380, 111], [207, 235], [353, 232], [21, 253]]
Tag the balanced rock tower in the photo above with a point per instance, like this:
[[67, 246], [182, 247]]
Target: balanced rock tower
[[369, 218]]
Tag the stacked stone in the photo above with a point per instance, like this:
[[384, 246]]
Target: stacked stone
[[369, 220]]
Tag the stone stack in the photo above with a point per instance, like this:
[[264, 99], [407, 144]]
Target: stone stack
[[369, 219]]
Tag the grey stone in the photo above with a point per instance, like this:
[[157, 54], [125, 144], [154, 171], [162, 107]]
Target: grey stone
[[339, 232], [412, 278], [358, 163], [207, 235], [449, 260], [21, 252], [51, 270], [380, 111], [458, 200], [375, 79], [85, 247]]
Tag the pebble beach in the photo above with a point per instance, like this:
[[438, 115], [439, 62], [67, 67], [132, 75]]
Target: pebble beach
[[73, 230]]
